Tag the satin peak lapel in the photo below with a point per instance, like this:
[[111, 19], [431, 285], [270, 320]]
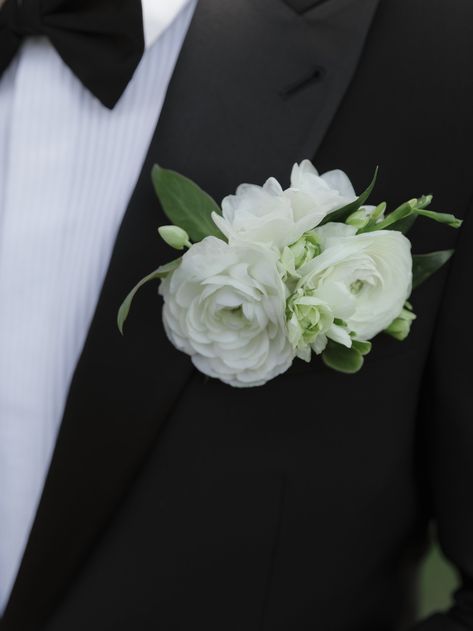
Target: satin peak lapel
[[255, 89]]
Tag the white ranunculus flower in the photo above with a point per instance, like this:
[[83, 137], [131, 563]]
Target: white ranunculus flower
[[264, 215], [318, 194], [225, 307], [277, 218], [365, 278]]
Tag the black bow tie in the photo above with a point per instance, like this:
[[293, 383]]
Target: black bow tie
[[101, 41]]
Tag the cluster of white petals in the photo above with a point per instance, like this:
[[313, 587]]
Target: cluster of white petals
[[242, 311], [365, 278], [225, 307], [275, 217]]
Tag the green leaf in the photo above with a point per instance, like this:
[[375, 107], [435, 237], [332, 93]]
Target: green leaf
[[186, 204], [362, 347], [446, 218], [342, 214], [167, 268], [158, 274], [405, 224], [400, 327], [424, 265], [342, 359]]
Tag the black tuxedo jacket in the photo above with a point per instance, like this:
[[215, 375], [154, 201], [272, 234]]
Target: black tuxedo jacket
[[174, 502]]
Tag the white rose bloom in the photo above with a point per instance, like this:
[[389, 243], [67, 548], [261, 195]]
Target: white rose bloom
[[365, 278], [275, 217], [225, 307]]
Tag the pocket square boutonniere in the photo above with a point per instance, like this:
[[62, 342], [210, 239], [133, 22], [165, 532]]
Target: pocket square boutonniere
[[276, 274]]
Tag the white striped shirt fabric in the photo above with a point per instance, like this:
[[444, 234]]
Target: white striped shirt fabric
[[68, 167]]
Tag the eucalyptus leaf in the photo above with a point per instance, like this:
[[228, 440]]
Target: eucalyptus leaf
[[342, 359], [342, 214], [158, 274], [424, 265], [186, 204]]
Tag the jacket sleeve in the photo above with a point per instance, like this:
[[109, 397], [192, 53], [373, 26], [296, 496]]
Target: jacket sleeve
[[447, 421]]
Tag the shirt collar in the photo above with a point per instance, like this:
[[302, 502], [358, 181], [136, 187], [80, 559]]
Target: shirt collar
[[158, 15]]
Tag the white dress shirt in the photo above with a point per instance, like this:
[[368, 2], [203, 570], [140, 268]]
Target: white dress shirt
[[68, 167]]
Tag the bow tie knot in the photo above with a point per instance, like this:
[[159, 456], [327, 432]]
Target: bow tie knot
[[102, 41], [23, 17]]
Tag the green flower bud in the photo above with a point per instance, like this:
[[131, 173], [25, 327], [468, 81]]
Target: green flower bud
[[299, 253], [174, 236], [401, 327], [365, 215], [359, 219]]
